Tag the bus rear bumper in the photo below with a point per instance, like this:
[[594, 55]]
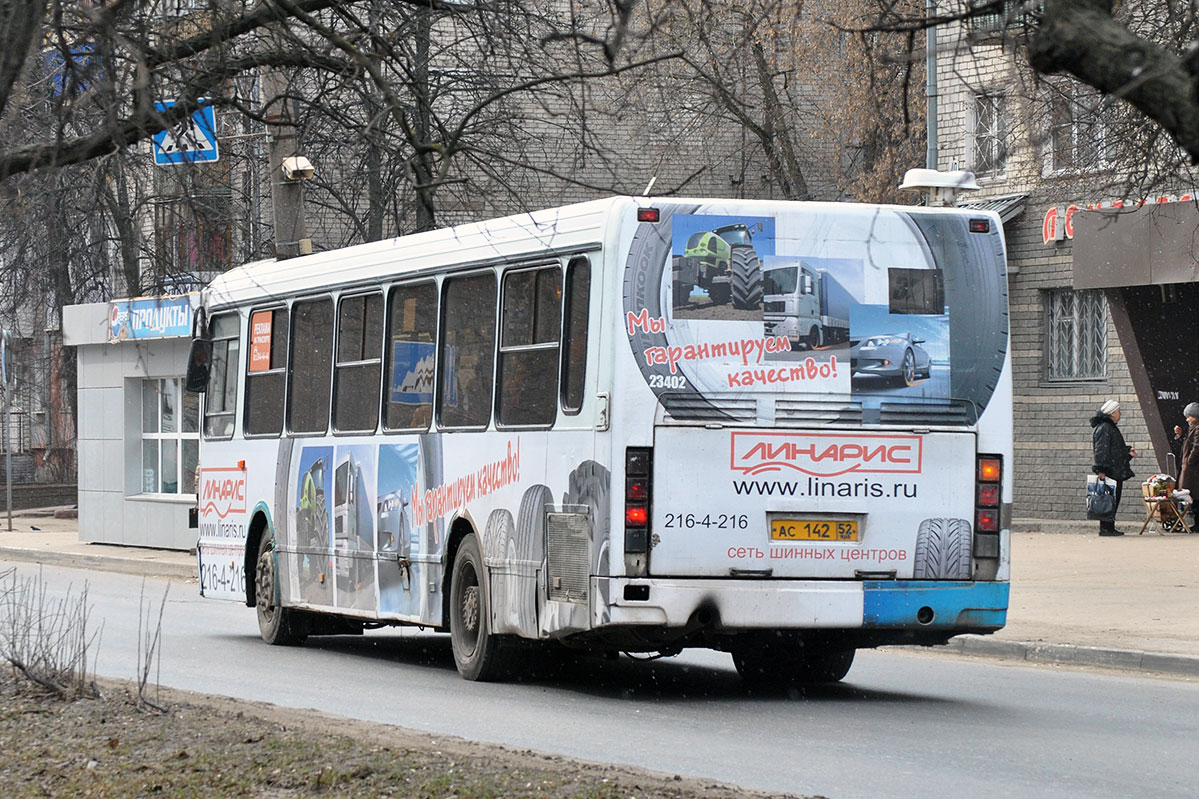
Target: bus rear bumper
[[735, 605]]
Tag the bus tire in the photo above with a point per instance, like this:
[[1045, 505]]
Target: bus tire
[[279, 626], [781, 666], [745, 270], [478, 654], [942, 550]]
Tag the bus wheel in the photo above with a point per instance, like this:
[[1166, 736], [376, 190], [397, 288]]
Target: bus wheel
[[278, 626], [478, 654], [778, 667]]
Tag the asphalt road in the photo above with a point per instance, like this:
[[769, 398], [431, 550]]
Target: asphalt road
[[901, 725]]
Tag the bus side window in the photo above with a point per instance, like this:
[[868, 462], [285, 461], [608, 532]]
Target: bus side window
[[466, 360], [220, 402], [409, 355], [311, 359], [574, 333], [356, 374], [530, 328], [266, 370]]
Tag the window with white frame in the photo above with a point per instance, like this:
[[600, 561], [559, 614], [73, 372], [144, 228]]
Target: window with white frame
[[1077, 335], [990, 135], [1080, 136], [170, 437]]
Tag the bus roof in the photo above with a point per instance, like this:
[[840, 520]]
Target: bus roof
[[571, 228]]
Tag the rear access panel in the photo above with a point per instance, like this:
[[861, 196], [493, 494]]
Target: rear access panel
[[806, 504]]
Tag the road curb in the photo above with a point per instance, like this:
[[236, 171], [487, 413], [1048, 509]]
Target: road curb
[[1071, 654], [149, 568]]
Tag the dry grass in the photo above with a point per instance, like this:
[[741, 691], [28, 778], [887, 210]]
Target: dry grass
[[212, 747]]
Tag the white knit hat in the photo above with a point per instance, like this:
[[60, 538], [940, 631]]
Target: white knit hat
[[1109, 407]]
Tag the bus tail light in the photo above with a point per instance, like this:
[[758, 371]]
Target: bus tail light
[[988, 480], [638, 469]]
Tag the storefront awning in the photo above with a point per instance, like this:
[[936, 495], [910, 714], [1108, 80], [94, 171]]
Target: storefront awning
[[1008, 206], [1153, 244]]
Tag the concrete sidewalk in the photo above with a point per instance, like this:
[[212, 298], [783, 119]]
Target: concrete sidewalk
[[1129, 602]]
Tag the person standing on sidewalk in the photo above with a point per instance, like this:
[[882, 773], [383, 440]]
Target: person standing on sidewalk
[[1188, 464], [1113, 458]]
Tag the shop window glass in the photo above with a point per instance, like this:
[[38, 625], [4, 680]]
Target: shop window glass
[[170, 438]]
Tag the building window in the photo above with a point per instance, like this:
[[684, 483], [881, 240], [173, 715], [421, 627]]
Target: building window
[[990, 135], [1077, 339], [1000, 17], [170, 437], [1080, 135]]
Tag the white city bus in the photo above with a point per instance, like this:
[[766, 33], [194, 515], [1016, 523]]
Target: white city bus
[[531, 429]]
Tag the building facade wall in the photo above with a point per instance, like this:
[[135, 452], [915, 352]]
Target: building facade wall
[[1052, 433], [112, 507]]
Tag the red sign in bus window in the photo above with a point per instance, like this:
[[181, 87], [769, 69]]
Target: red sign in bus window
[[260, 340]]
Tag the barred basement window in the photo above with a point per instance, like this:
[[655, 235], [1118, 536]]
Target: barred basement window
[[1077, 335]]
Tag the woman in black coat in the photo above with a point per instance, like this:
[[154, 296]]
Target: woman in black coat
[[1113, 458]]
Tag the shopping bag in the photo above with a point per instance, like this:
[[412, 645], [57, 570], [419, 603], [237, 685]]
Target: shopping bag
[[1101, 497]]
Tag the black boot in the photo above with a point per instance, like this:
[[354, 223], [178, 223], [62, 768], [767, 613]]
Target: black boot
[[1109, 528]]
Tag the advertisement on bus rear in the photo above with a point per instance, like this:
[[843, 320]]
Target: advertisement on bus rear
[[841, 302]]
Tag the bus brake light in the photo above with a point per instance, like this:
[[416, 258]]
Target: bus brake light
[[638, 467], [648, 214]]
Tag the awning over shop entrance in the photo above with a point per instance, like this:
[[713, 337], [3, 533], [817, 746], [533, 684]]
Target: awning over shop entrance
[[1146, 259], [1154, 244]]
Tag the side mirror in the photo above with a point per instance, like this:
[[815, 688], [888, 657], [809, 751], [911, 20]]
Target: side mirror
[[199, 360]]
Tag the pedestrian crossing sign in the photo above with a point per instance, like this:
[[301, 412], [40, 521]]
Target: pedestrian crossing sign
[[192, 140]]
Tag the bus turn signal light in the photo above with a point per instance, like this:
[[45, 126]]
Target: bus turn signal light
[[989, 469]]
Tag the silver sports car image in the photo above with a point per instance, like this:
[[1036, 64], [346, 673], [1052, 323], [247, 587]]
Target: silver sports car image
[[895, 356]]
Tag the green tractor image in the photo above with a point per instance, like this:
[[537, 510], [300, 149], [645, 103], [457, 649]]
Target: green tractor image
[[723, 262]]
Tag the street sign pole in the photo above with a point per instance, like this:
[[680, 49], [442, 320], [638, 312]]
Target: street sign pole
[[6, 377]]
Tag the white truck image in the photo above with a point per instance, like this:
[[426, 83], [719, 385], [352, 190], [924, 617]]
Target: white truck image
[[806, 305]]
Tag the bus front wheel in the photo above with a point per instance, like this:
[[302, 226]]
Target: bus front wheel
[[279, 626], [478, 654]]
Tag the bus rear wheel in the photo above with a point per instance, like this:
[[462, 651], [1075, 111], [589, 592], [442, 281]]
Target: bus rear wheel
[[478, 654], [279, 626], [773, 667]]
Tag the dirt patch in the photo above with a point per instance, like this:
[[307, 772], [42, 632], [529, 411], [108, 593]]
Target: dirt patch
[[218, 747]]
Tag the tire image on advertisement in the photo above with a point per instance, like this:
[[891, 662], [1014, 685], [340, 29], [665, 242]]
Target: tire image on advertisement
[[498, 540], [590, 485], [526, 557], [943, 550], [745, 271], [643, 291]]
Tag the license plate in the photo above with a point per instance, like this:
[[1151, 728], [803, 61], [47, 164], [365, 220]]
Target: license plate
[[813, 529]]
